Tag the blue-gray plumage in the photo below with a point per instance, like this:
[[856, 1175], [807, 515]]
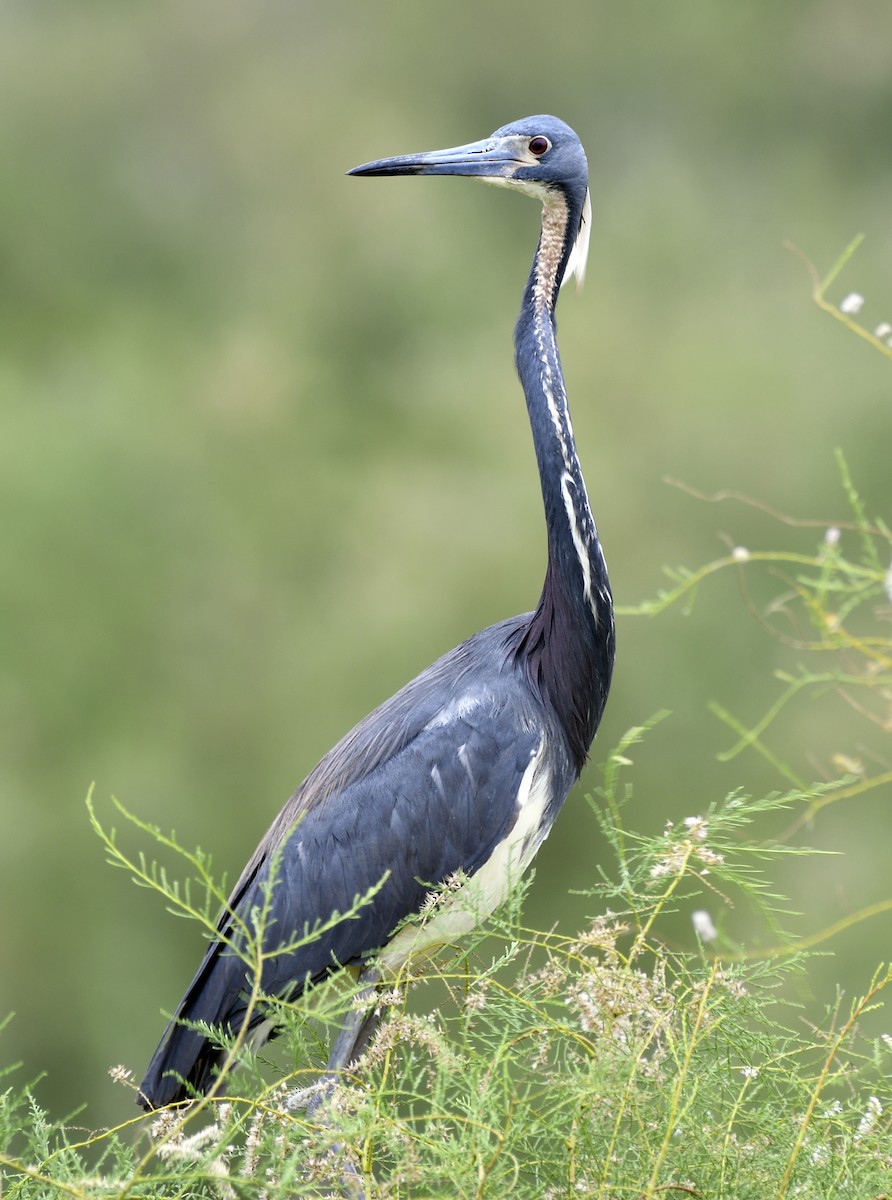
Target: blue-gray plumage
[[460, 775]]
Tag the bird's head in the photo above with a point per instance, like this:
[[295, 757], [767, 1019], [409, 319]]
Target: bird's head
[[541, 156]]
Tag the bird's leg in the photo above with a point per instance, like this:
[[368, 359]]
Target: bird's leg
[[354, 1037]]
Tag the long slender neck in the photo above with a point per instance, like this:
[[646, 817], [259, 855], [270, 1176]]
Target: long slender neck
[[568, 646]]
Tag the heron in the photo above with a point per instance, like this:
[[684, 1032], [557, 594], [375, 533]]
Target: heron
[[459, 776]]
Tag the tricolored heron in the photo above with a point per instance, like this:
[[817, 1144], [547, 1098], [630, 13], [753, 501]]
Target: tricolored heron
[[460, 775]]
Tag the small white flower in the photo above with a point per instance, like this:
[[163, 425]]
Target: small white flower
[[698, 827], [832, 535], [711, 857], [872, 1114], [301, 1097], [853, 303], [884, 1037], [672, 864], [703, 925], [882, 330], [390, 999], [740, 554], [749, 1072]]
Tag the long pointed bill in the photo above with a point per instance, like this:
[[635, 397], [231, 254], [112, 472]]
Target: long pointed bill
[[493, 158]]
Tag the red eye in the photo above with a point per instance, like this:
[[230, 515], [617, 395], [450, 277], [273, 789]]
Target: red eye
[[538, 146]]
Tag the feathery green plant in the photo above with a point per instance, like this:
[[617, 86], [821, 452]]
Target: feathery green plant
[[607, 1063], [599, 1064]]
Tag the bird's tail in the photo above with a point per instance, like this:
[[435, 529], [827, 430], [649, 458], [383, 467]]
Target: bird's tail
[[186, 1059]]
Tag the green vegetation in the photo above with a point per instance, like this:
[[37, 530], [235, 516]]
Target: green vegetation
[[600, 1064], [611, 1062], [262, 459]]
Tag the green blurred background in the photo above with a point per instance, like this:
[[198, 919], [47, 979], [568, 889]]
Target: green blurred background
[[262, 454]]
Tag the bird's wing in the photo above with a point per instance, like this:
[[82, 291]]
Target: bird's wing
[[439, 806], [384, 735], [425, 786]]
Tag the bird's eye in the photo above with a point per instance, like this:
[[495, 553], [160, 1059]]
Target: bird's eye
[[538, 146]]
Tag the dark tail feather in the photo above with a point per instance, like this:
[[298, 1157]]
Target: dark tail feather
[[185, 1062], [184, 1054]]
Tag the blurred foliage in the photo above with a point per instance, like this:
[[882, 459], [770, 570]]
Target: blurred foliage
[[262, 456]]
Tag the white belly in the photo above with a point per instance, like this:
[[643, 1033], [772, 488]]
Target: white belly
[[460, 912]]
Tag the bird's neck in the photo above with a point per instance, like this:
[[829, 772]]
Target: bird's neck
[[567, 648]]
